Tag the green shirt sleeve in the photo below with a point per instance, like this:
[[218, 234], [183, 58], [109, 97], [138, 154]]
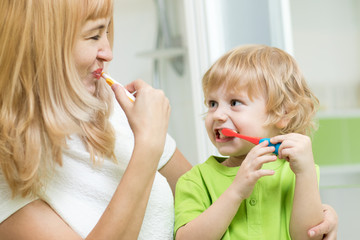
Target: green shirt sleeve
[[191, 199]]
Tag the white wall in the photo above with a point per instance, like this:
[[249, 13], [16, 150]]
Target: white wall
[[326, 45], [340, 188], [135, 28], [135, 34]]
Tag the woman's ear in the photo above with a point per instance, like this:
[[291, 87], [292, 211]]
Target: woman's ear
[[282, 123]]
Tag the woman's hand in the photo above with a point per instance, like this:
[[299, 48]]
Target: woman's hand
[[148, 115], [328, 227], [148, 118]]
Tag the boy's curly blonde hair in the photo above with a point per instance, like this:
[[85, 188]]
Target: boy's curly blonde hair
[[272, 72]]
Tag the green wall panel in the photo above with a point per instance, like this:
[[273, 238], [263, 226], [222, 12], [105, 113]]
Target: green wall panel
[[337, 141]]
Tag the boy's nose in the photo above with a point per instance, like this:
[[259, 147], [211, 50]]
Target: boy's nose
[[221, 114]]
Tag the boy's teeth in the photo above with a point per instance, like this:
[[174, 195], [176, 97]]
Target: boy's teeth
[[222, 136]]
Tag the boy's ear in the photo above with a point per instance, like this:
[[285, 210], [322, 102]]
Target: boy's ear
[[282, 123]]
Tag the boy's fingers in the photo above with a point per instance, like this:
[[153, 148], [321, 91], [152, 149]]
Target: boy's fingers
[[265, 172], [277, 139]]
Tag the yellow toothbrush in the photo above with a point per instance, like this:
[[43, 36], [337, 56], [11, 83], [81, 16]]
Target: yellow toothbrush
[[109, 80]]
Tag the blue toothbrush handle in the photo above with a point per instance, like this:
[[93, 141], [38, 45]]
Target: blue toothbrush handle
[[277, 145]]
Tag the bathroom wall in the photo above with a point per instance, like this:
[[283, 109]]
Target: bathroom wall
[[337, 141], [136, 30], [323, 36], [326, 36]]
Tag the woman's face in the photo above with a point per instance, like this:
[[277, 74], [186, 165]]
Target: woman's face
[[92, 49]]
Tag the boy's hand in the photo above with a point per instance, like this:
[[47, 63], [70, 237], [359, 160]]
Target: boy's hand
[[250, 170], [297, 149]]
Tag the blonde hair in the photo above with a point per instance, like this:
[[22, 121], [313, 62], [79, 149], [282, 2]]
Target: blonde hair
[[269, 71], [43, 100]]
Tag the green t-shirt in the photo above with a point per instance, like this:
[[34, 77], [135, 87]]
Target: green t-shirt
[[264, 215]]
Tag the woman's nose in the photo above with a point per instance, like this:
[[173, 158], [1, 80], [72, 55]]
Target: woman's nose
[[105, 51]]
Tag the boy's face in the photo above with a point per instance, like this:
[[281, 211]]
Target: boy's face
[[237, 112]]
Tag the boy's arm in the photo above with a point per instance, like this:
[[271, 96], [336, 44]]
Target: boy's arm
[[214, 221], [307, 207]]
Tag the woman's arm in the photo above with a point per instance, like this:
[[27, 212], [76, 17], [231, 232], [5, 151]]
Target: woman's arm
[[36, 221], [122, 219], [148, 117], [175, 168]]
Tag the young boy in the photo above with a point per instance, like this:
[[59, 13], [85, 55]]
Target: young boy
[[256, 91]]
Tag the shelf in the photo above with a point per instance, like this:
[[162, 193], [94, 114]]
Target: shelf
[[340, 176], [163, 53], [339, 113]]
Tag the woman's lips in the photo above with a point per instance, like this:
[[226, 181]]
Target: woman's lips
[[97, 73]]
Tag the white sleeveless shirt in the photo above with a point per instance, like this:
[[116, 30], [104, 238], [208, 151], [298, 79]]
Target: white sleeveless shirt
[[80, 192]]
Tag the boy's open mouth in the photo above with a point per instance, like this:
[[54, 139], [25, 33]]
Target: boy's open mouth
[[219, 134]]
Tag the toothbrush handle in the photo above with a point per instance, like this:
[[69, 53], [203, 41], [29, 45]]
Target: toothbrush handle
[[277, 145]]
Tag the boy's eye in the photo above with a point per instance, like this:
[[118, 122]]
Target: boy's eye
[[212, 104], [235, 103]]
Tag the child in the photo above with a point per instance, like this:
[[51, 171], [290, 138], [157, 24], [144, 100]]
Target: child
[[257, 91]]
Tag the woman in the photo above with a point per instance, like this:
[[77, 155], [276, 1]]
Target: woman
[[74, 165]]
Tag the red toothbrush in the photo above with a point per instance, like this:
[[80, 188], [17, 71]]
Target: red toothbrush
[[255, 140]]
